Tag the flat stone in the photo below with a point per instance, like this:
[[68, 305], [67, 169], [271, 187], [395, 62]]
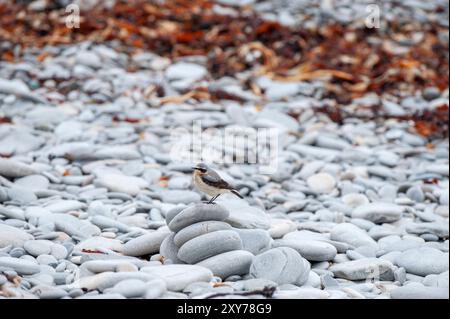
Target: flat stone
[[33, 182], [352, 235], [13, 236], [178, 277], [130, 288], [197, 213], [378, 212], [280, 227], [19, 265], [21, 195], [64, 206], [236, 262], [322, 183], [439, 229], [198, 229], [209, 245], [364, 268], [183, 70], [146, 244], [282, 265], [12, 168], [312, 250], [354, 200], [107, 280], [423, 261]]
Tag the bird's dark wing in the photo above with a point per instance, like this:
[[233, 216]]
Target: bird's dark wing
[[213, 179]]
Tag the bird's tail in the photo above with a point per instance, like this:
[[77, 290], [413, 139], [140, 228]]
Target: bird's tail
[[235, 192]]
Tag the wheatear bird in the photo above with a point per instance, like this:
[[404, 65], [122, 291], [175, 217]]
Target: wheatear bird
[[209, 182]]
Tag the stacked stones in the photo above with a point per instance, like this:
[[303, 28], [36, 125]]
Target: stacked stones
[[201, 236]]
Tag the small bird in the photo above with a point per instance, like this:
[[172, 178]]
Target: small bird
[[209, 182]]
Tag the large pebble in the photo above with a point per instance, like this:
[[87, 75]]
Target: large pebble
[[198, 229], [242, 215], [312, 250], [12, 168], [236, 262], [197, 213], [282, 265], [19, 265], [12, 236], [178, 277], [364, 268], [423, 261], [322, 183], [146, 244], [352, 235], [378, 212], [209, 245]]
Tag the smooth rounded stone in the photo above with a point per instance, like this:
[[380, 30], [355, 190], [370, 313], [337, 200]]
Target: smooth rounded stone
[[179, 196], [155, 289], [416, 194], [119, 183], [322, 183], [72, 226], [282, 265], [312, 250], [198, 229], [236, 262], [365, 268], [354, 200], [21, 195], [33, 182], [20, 265], [47, 260], [102, 296], [169, 249], [146, 244], [13, 236], [399, 245], [209, 245], [14, 168], [107, 280], [64, 206], [45, 247], [439, 229], [242, 215], [352, 235], [130, 288], [178, 277], [91, 267], [441, 280], [379, 212], [441, 169], [423, 261], [280, 227], [419, 291], [254, 284], [197, 213], [17, 252], [254, 240]]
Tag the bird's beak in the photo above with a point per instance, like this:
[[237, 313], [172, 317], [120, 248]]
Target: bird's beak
[[196, 168]]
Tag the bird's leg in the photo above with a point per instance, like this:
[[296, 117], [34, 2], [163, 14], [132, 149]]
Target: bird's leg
[[213, 199]]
